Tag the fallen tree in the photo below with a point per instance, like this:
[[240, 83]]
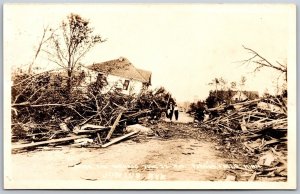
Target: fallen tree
[[41, 110]]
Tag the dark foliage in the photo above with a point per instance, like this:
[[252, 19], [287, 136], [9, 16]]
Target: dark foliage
[[198, 109]]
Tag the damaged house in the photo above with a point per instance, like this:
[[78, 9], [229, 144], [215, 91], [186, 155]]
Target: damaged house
[[239, 96], [120, 74]]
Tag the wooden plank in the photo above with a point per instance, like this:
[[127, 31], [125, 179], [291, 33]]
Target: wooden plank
[[272, 141], [137, 114], [77, 132], [15, 147], [96, 128], [247, 102], [92, 126], [119, 139], [113, 127], [219, 108]]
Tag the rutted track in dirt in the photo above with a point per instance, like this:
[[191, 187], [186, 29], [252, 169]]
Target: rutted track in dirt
[[186, 154]]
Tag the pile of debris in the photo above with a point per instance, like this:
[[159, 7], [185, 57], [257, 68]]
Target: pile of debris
[[257, 131], [43, 114]]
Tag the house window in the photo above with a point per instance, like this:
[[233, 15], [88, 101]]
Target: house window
[[125, 85], [145, 86]]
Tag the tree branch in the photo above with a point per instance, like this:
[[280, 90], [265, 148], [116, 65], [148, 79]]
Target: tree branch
[[262, 62]]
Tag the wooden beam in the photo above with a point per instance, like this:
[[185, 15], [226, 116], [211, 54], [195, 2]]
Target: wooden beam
[[119, 139], [137, 114], [113, 127], [31, 145], [95, 128], [78, 132]]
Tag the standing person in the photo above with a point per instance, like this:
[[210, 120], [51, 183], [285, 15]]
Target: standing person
[[176, 112], [168, 113], [171, 108]]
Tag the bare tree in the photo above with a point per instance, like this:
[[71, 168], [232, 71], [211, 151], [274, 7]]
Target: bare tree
[[262, 62], [233, 85], [219, 82], [242, 82], [45, 38], [215, 82], [223, 83], [242, 85], [70, 43]]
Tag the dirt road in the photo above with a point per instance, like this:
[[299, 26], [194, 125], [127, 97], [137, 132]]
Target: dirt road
[[178, 159], [186, 155]]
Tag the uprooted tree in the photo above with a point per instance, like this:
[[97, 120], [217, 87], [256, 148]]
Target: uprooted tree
[[70, 43]]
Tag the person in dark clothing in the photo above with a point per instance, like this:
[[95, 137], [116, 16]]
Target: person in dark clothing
[[176, 113], [171, 111]]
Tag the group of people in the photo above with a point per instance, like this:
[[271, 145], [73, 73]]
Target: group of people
[[172, 109]]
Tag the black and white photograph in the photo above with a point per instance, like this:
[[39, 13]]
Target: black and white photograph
[[149, 96]]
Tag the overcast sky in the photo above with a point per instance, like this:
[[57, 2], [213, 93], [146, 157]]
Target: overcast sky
[[185, 46]]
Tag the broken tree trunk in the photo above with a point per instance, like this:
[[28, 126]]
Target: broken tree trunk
[[31, 145], [113, 127]]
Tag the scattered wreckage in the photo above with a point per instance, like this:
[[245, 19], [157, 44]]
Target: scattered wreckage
[[257, 130]]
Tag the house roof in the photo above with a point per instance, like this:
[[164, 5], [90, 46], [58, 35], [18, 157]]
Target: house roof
[[248, 94], [146, 74], [251, 95], [239, 94], [122, 67]]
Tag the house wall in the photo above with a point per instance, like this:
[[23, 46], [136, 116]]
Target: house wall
[[134, 87], [239, 96]]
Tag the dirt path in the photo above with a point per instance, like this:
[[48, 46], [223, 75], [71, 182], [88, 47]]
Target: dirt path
[[178, 159], [150, 158]]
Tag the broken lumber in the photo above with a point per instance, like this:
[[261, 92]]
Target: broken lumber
[[96, 128], [119, 139], [255, 130], [113, 127], [64, 127], [92, 126], [133, 115], [31, 145]]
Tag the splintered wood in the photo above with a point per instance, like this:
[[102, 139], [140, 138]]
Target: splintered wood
[[102, 116], [119, 139], [113, 127], [261, 127], [31, 145]]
